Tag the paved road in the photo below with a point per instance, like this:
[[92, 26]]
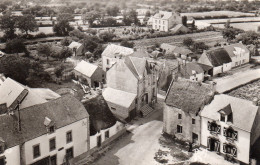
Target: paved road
[[139, 146], [230, 82]]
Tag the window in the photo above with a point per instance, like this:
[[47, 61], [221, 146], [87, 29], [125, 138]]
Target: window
[[107, 134], [69, 136], [69, 153], [52, 144], [51, 129], [230, 118], [36, 151], [107, 61], [193, 121], [53, 160], [113, 108], [179, 129], [179, 116], [230, 149], [230, 133], [213, 127], [222, 117]]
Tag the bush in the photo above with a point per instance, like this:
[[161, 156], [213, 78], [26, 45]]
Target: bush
[[127, 43], [40, 35]]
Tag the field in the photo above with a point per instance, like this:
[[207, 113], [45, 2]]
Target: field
[[249, 26], [244, 19], [248, 92], [46, 30], [210, 38], [218, 13]]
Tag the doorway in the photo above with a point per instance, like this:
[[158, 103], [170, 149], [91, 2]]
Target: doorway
[[99, 141], [213, 144], [195, 138]]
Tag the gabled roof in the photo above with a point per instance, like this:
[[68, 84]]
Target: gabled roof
[[137, 65], [119, 97], [226, 110], [163, 15], [189, 96], [243, 111], [179, 27], [188, 68], [182, 51], [86, 68], [112, 50], [75, 45], [62, 111], [218, 57], [166, 46], [236, 48]]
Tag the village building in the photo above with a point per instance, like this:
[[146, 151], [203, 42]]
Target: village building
[[238, 53], [194, 71], [13, 94], [183, 54], [114, 53], [218, 59], [89, 74], [131, 88], [50, 133], [230, 127], [77, 48], [180, 29], [164, 21], [184, 100]]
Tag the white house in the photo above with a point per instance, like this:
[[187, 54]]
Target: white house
[[218, 59], [164, 21], [114, 53], [77, 48], [49, 133], [238, 53], [230, 127]]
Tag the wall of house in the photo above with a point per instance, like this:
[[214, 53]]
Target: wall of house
[[242, 144], [112, 131], [204, 60], [83, 78], [98, 76], [200, 77], [79, 51], [217, 70], [112, 61], [121, 78], [170, 120], [240, 59], [161, 24], [80, 142], [227, 67], [120, 112], [12, 155]]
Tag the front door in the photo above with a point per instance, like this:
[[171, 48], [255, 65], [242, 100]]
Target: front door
[[195, 138], [213, 144], [96, 84], [99, 141]]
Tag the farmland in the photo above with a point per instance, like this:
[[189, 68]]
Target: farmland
[[229, 14], [208, 37]]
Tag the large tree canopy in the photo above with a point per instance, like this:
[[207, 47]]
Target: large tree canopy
[[27, 23]]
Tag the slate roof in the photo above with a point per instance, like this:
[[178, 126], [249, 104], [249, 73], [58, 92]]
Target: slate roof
[[231, 48], [137, 65], [243, 111], [75, 45], [100, 115], [86, 68], [218, 57], [163, 15], [113, 49], [119, 97], [189, 96], [63, 111], [189, 67], [205, 67]]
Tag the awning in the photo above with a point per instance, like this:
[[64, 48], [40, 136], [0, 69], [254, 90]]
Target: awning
[[122, 98]]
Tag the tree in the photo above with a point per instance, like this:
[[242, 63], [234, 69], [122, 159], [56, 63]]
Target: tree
[[44, 49], [27, 23], [62, 27], [230, 33], [128, 44], [249, 37], [106, 36], [15, 46], [98, 51], [188, 41], [58, 70], [7, 24], [66, 41], [3, 7], [133, 17], [227, 24], [198, 46], [184, 20], [112, 11], [77, 33], [91, 17], [15, 67], [64, 53], [91, 43]]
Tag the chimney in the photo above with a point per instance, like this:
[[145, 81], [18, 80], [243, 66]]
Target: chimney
[[255, 101]]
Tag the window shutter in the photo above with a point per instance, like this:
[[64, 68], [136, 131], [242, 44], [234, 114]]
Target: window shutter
[[218, 146], [234, 152], [209, 125], [235, 135], [218, 129], [225, 131], [224, 148], [208, 144]]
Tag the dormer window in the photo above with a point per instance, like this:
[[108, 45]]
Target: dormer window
[[222, 117], [226, 114], [50, 125]]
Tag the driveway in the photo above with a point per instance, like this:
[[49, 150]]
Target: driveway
[[139, 145]]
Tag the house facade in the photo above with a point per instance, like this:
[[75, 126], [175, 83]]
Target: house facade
[[230, 127], [44, 137], [164, 21], [192, 71], [90, 74], [238, 53], [218, 59], [114, 53], [184, 100], [131, 86]]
